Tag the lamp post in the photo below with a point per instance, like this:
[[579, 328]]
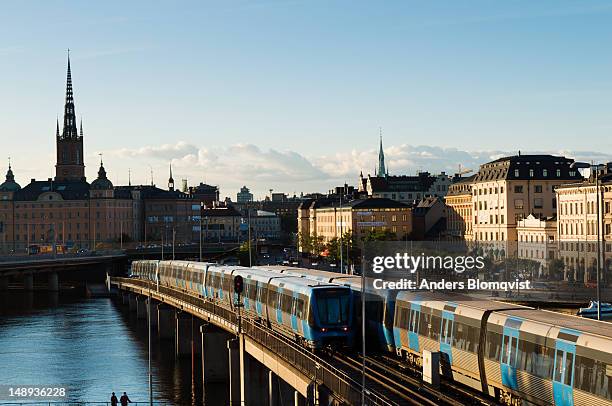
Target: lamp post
[[201, 214], [595, 168]]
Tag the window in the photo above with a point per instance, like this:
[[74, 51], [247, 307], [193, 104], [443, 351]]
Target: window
[[544, 172], [518, 203], [558, 173], [538, 189], [518, 189], [538, 203], [516, 173], [531, 173]]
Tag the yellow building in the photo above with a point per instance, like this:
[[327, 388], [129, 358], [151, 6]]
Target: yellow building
[[460, 209], [327, 219]]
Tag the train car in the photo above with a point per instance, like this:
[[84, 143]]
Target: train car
[[517, 354], [315, 314], [448, 323], [380, 304], [548, 358]]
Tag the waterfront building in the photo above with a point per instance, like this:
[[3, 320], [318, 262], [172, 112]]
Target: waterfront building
[[244, 196]]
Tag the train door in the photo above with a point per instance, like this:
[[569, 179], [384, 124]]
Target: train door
[[259, 298], [446, 334], [413, 327], [509, 352], [279, 303], [294, 303], [563, 375]]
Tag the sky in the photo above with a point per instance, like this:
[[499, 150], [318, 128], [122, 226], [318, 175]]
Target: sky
[[291, 95]]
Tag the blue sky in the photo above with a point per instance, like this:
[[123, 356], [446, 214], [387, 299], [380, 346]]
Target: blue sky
[[289, 95]]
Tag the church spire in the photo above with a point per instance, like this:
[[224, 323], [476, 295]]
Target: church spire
[[382, 171], [57, 134], [69, 144], [81, 129], [171, 180], [70, 128]]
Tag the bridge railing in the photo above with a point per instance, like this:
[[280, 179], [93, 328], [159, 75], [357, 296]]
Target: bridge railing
[[68, 403], [309, 364]]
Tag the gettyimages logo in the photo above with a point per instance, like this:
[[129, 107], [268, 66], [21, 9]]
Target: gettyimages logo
[[410, 263]]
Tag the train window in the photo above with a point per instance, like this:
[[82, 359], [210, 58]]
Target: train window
[[402, 317], [569, 367], [558, 366], [493, 346], [333, 305], [272, 297], [425, 322], [300, 308], [434, 330]]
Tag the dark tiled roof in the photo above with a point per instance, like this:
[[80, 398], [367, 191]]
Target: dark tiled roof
[[69, 190], [505, 168], [221, 212]]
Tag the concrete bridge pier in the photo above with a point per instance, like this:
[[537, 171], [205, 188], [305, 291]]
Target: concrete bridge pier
[[298, 399], [184, 334], [133, 302], [152, 309], [53, 282], [253, 379], [215, 361], [273, 389], [4, 283], [165, 321], [141, 307], [28, 281], [233, 352]]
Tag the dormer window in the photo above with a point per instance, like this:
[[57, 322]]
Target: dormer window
[[516, 173], [558, 173], [545, 172]]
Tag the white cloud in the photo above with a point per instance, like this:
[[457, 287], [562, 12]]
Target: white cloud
[[289, 171]]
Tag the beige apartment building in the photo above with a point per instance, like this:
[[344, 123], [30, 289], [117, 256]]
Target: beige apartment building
[[577, 225], [329, 220], [460, 209], [537, 240], [509, 189]]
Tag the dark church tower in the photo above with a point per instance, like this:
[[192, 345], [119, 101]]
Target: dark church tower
[[70, 166]]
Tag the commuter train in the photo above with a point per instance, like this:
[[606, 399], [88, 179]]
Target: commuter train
[[315, 314], [380, 304], [514, 353], [517, 354]]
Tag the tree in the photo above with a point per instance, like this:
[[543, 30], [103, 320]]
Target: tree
[[555, 269]]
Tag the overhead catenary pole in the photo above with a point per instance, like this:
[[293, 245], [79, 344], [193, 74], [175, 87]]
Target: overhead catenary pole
[[201, 213], [341, 244], [599, 245], [150, 370], [363, 325]]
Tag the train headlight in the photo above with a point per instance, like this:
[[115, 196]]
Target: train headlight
[[323, 329], [345, 328]]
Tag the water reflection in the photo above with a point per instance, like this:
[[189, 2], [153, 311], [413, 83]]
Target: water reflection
[[93, 347]]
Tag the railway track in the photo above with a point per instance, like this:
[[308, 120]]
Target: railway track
[[386, 384], [393, 380]]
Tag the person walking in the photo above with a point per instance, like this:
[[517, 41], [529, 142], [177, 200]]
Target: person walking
[[124, 399], [114, 401]]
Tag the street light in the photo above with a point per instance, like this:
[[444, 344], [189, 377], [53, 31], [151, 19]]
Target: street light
[[595, 168], [201, 213]]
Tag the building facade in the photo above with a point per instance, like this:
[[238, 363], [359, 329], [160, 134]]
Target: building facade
[[509, 189], [328, 219], [244, 196], [460, 210]]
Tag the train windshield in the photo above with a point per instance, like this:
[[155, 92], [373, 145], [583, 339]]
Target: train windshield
[[333, 306]]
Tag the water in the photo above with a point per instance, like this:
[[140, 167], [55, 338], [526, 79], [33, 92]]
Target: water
[[92, 347]]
